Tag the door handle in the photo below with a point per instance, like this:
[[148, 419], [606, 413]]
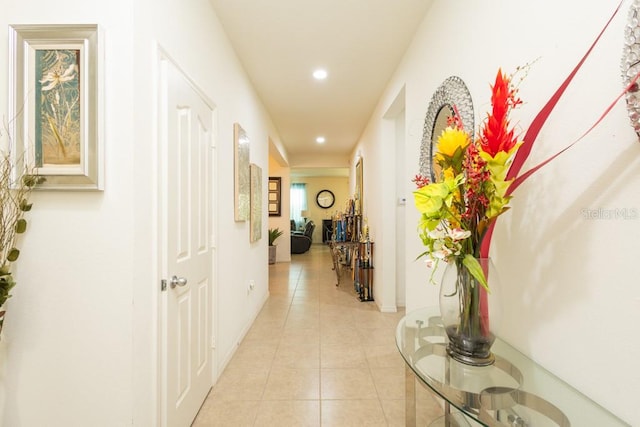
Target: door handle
[[178, 281]]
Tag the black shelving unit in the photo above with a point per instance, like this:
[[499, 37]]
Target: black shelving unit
[[364, 275]]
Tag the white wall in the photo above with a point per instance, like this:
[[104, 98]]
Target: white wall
[[80, 335], [68, 333], [571, 297]]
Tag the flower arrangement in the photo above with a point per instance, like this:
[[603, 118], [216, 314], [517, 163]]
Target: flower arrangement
[[470, 189]]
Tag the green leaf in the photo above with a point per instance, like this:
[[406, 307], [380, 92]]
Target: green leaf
[[274, 233], [21, 226], [435, 189], [29, 180], [13, 254], [458, 157], [6, 284], [25, 206], [428, 206], [430, 198], [472, 264]]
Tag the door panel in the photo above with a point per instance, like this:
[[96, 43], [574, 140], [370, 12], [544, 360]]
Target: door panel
[[186, 129]]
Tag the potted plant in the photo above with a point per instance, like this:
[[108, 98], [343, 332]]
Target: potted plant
[[274, 233]]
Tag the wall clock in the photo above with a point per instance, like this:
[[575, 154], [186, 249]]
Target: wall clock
[[325, 199]]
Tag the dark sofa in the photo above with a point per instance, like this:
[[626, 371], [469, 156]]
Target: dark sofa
[[301, 241]]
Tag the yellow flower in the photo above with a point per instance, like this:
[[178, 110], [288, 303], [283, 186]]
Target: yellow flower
[[450, 140], [448, 173]]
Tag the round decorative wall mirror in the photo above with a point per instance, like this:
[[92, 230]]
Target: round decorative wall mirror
[[452, 92], [631, 64]]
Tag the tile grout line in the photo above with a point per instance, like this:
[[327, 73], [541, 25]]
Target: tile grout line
[[264, 388]]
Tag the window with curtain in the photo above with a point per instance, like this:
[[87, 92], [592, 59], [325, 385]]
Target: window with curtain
[[298, 199]]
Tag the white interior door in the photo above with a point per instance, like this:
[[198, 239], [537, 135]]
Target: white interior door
[[186, 120]]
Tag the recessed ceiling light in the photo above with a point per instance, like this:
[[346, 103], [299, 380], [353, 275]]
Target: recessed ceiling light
[[320, 140], [320, 74]]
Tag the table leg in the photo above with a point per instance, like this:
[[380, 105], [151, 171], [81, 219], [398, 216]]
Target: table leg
[[409, 397], [336, 261]]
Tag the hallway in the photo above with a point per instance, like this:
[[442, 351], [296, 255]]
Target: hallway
[[315, 356]]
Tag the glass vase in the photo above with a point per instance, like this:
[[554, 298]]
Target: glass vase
[[466, 308]]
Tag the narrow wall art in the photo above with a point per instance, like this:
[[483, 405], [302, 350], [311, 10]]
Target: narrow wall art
[[242, 178], [55, 97], [256, 203]]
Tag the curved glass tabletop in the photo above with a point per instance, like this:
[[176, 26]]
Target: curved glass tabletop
[[514, 391]]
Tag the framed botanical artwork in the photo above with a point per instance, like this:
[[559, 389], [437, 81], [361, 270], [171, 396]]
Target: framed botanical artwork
[[274, 203], [242, 178], [256, 203], [55, 98]]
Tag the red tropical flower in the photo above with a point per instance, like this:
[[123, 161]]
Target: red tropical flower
[[420, 181], [496, 136]]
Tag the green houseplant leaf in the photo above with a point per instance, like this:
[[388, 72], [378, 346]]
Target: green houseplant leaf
[[274, 233]]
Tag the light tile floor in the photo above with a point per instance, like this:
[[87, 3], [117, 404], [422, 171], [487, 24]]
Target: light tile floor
[[315, 356]]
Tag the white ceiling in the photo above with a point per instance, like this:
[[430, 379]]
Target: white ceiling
[[281, 42]]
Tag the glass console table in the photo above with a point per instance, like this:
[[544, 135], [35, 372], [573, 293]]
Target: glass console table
[[514, 391]]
